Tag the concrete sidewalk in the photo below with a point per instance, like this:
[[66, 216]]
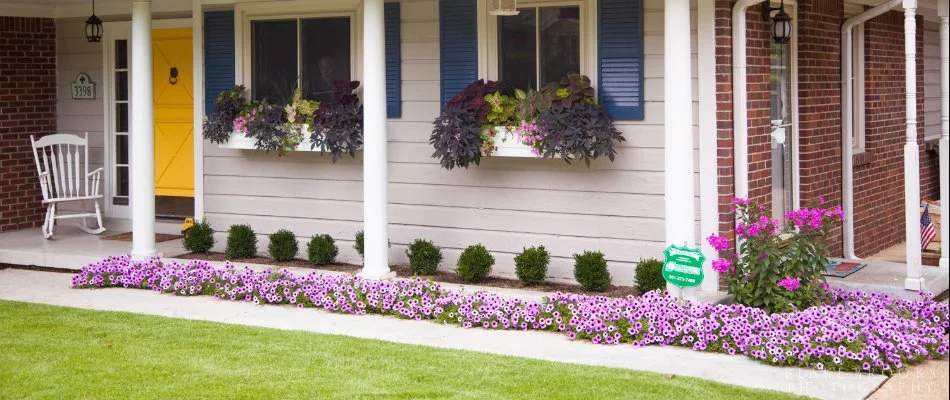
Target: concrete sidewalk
[[53, 288]]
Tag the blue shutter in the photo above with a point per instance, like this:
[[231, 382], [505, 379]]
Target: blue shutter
[[219, 55], [458, 45], [393, 62], [620, 70]]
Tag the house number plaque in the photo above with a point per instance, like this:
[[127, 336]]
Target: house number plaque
[[84, 88]]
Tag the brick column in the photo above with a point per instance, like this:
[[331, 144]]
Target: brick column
[[27, 107]]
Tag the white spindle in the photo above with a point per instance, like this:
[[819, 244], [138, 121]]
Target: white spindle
[[49, 175], [69, 172], [62, 168], [56, 180], [78, 171]]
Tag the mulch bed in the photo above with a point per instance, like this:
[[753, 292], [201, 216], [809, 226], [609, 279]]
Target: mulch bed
[[403, 271]]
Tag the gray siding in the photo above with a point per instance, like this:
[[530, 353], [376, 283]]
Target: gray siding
[[505, 204], [74, 55]]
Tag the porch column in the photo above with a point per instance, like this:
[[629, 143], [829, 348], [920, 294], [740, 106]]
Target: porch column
[[375, 223], [914, 280], [678, 169], [944, 132], [143, 134]]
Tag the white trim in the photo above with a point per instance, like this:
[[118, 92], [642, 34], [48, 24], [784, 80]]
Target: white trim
[[112, 31], [488, 36], [198, 88], [796, 132], [708, 143], [859, 141], [245, 13]]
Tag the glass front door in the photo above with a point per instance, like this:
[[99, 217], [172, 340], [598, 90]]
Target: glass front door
[[782, 129]]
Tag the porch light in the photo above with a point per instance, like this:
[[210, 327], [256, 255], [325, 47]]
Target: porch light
[[503, 7], [781, 22], [93, 26]]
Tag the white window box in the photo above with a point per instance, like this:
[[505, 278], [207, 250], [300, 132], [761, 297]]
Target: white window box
[[242, 142], [508, 143], [239, 141]]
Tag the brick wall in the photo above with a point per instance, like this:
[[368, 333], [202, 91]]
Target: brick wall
[[819, 101], [878, 184], [27, 107], [879, 180]]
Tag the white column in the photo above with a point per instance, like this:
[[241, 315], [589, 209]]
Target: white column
[[708, 146], [944, 133], [679, 198], [375, 223], [143, 133], [914, 280]]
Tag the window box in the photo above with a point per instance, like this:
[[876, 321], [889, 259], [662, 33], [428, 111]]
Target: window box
[[242, 142], [508, 143]]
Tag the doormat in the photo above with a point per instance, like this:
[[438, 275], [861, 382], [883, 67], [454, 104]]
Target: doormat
[[127, 237], [841, 269]]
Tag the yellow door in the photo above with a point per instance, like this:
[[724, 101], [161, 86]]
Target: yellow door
[[173, 101]]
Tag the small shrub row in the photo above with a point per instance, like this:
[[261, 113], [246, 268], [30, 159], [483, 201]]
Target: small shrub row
[[242, 243], [474, 264]]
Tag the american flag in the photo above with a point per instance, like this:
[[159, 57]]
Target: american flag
[[927, 231]]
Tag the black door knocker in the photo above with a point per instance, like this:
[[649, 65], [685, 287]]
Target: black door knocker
[[173, 79]]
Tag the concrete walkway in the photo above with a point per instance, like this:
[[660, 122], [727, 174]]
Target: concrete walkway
[[53, 288]]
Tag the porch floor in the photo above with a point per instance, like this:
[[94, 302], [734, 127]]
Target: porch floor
[[885, 276], [68, 248]]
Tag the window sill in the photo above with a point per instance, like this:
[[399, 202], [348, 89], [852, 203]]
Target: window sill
[[861, 158]]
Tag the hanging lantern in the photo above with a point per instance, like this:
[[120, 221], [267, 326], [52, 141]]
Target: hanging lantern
[[781, 22], [503, 7], [93, 26]]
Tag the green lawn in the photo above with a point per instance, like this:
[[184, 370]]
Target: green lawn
[[57, 352]]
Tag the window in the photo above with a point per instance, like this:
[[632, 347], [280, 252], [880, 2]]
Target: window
[[309, 53], [539, 45], [121, 123]]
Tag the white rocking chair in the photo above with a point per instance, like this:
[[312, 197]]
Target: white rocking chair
[[62, 162]]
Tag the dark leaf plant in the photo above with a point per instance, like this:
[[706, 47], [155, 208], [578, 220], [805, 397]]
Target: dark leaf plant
[[219, 124], [338, 126]]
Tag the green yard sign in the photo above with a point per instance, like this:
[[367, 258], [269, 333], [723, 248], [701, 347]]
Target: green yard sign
[[683, 266]]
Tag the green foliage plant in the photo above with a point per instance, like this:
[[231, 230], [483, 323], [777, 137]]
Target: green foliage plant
[[531, 265], [590, 270], [322, 250], [424, 257], [199, 238], [474, 264], [242, 242]]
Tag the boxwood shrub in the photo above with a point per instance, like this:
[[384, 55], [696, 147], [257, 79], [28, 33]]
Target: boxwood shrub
[[322, 250], [242, 242], [531, 265], [283, 245], [590, 270], [649, 275], [424, 257], [199, 238], [475, 263]]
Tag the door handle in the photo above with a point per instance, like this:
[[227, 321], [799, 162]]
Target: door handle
[[173, 76]]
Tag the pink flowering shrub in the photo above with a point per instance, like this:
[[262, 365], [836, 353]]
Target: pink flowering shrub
[[854, 331], [777, 267]]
